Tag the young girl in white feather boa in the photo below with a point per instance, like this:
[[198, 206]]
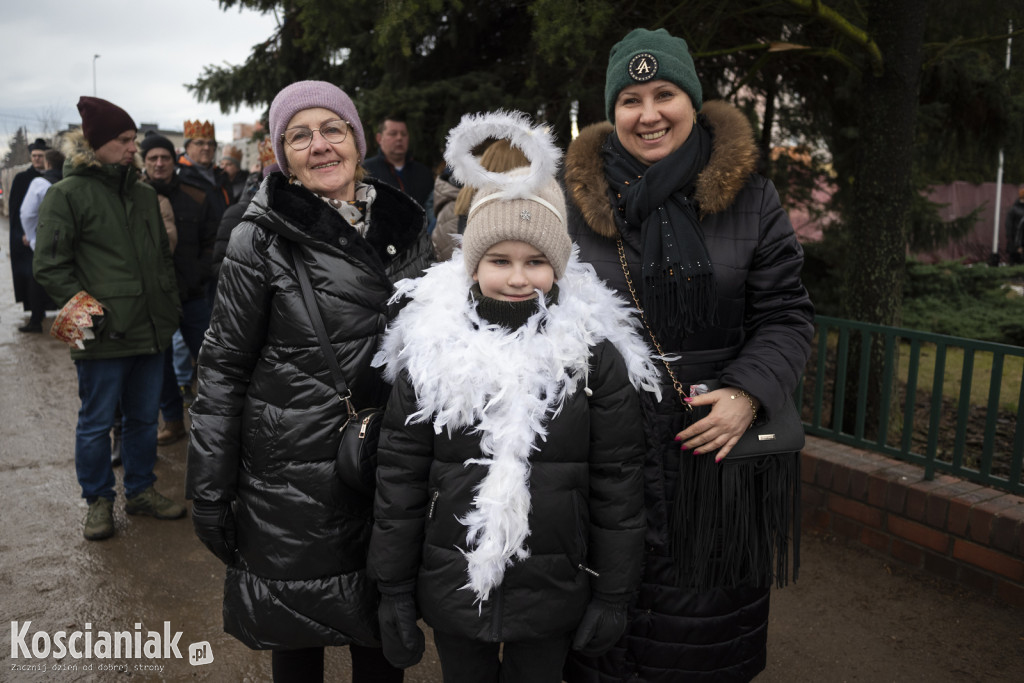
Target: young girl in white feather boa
[[509, 508]]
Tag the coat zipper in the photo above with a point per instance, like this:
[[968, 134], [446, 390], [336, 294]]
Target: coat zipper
[[497, 605], [433, 504]]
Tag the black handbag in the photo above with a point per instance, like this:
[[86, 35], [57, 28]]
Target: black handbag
[[783, 433], [356, 459]]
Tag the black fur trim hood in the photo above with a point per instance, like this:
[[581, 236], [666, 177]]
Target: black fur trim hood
[[298, 215]]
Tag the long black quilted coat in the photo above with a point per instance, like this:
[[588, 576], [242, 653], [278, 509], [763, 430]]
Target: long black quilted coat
[[265, 423], [761, 343], [586, 513]]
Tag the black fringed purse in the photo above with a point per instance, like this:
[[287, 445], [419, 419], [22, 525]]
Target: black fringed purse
[[730, 521]]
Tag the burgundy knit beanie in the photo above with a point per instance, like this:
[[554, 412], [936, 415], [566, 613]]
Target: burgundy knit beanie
[[102, 121], [307, 95]]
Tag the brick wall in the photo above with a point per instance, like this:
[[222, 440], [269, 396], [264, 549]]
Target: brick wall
[[957, 530]]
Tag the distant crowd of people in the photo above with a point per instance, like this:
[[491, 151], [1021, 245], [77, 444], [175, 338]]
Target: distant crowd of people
[[565, 349]]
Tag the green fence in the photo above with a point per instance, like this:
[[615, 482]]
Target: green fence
[[948, 404]]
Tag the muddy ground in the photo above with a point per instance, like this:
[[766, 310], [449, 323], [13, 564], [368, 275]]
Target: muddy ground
[[851, 617]]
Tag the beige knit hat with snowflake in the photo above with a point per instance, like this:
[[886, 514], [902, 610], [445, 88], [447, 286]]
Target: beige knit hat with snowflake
[[525, 204]]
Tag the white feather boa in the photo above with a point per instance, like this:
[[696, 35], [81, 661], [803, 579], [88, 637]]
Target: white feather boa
[[507, 384]]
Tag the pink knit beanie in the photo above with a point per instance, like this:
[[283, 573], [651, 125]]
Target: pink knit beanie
[[308, 95]]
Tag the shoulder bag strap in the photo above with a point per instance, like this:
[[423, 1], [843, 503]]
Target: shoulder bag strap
[[676, 384], [318, 325]]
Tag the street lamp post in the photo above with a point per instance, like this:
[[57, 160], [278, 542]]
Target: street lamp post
[[994, 258], [94, 58]]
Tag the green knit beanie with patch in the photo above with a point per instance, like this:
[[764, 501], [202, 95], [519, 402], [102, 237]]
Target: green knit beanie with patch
[[648, 56]]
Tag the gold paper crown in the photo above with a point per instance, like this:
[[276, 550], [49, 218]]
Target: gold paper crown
[[232, 152], [266, 149], [196, 129]]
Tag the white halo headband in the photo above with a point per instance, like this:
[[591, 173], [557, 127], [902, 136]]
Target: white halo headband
[[535, 142], [503, 195]]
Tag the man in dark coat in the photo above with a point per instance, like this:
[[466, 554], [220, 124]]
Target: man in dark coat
[[21, 254], [38, 301], [194, 216], [395, 166], [196, 164]]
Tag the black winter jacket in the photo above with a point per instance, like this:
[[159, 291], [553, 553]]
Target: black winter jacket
[[586, 514], [196, 223], [265, 423], [760, 344], [584, 493], [220, 189]]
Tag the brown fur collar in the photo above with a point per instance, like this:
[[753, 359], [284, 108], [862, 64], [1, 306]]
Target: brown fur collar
[[79, 154], [733, 159]]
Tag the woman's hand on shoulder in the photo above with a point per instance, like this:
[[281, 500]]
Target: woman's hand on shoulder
[[731, 415]]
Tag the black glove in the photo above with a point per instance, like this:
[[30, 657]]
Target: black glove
[[602, 625], [400, 637], [214, 524]]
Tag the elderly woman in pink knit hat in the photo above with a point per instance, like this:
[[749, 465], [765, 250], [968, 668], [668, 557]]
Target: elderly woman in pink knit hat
[[266, 497]]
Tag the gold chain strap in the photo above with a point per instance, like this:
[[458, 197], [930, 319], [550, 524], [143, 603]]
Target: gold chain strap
[[676, 384]]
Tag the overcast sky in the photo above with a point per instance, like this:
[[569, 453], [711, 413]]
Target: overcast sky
[[149, 50]]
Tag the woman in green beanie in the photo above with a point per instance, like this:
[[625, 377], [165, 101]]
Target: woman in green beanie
[[665, 203]]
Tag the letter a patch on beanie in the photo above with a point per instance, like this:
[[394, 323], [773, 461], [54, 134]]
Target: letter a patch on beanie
[[643, 67]]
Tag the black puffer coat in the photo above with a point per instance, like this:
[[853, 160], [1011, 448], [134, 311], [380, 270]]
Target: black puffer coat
[[197, 230], [714, 629], [567, 486], [265, 423], [586, 511]]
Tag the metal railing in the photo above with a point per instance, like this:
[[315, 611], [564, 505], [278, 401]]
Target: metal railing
[[907, 381]]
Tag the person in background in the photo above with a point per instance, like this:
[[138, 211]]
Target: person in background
[[21, 254], [231, 163], [39, 302], [261, 462], [197, 230], [196, 167], [100, 236], [196, 164], [665, 203], [509, 503], [266, 165], [395, 166], [1015, 231], [500, 157]]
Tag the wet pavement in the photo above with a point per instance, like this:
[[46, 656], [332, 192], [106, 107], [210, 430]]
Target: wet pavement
[[851, 617]]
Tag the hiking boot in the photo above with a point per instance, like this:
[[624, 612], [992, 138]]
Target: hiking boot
[[151, 503], [99, 520], [31, 328], [171, 431], [187, 395]]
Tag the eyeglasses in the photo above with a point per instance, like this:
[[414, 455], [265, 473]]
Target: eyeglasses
[[300, 137], [205, 143]]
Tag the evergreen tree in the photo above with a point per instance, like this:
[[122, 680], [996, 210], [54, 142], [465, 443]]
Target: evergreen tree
[[885, 96], [17, 153]]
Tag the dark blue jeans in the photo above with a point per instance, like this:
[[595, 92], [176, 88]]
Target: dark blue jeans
[[195, 318], [134, 381]]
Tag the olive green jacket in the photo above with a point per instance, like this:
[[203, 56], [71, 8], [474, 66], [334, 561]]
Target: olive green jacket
[[100, 231]]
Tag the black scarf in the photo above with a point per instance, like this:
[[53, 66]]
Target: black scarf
[[509, 314], [678, 290]]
